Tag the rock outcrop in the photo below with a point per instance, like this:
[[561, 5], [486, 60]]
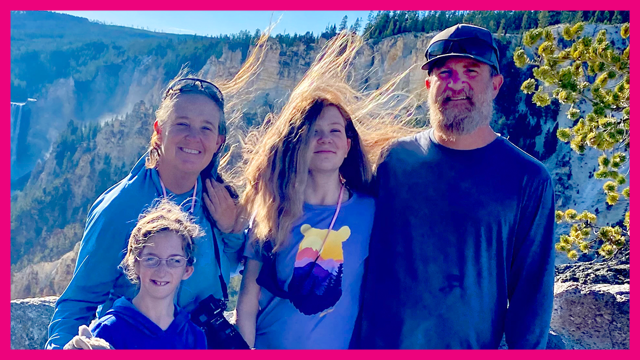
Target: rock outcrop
[[584, 317], [44, 279], [591, 316], [612, 272], [29, 321]]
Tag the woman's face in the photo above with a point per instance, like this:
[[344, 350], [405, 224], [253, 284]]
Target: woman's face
[[189, 136], [329, 143]]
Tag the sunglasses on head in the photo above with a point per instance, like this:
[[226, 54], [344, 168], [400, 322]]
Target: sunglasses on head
[[196, 85], [471, 46]]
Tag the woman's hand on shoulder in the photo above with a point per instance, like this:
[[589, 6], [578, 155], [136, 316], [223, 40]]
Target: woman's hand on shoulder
[[220, 205]]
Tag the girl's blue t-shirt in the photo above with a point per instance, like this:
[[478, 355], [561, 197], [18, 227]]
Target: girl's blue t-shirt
[[325, 318]]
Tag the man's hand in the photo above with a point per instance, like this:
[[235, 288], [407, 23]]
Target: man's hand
[[85, 341], [220, 205]]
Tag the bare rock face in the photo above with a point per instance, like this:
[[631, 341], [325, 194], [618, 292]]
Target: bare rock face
[[29, 321], [46, 278], [591, 316], [614, 271]]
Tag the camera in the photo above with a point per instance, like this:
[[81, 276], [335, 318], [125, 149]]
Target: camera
[[209, 316]]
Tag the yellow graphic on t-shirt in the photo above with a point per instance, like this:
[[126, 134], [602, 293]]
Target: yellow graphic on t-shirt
[[316, 284], [333, 246]]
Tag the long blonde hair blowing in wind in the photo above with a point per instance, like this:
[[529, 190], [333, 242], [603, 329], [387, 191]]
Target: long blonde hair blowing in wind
[[276, 154]]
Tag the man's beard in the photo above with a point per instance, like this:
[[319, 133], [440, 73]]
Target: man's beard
[[463, 117]]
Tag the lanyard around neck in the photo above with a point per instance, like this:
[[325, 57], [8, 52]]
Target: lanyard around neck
[[333, 221], [193, 198]]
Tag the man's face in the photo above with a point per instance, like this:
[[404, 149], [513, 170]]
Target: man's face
[[461, 93]]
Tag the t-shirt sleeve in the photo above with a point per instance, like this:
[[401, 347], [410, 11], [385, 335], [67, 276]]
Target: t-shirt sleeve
[[530, 279], [233, 246], [251, 251]]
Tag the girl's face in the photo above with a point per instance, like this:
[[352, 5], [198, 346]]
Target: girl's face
[[329, 143], [162, 281], [189, 137]]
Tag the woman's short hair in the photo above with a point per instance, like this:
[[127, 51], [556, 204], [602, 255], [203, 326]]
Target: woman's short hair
[[185, 84]]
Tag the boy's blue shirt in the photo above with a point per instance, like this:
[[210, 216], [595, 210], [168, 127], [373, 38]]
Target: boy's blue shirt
[[98, 281], [125, 327]]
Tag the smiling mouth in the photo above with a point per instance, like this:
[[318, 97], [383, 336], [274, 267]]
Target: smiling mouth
[[159, 283], [457, 98], [190, 151]]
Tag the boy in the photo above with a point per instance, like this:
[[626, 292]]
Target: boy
[[159, 257]]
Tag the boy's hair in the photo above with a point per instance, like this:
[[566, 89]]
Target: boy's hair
[[165, 216]]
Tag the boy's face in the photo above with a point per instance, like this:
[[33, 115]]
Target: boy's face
[[162, 281]]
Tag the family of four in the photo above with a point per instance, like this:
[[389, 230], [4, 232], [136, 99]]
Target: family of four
[[449, 244]]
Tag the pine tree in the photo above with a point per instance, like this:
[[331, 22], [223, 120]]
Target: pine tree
[[554, 17], [401, 22], [390, 29], [567, 17], [590, 68], [617, 18], [579, 17], [543, 19], [525, 22], [355, 27], [412, 21], [501, 29], [343, 24]]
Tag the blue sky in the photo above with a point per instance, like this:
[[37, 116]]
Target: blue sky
[[224, 22]]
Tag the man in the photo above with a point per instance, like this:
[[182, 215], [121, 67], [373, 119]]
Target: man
[[462, 245]]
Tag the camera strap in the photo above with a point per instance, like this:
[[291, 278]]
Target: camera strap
[[212, 222], [223, 284]]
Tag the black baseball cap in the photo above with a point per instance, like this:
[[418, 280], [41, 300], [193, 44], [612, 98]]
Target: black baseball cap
[[463, 40]]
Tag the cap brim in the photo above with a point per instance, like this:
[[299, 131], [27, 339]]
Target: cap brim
[[446, 56]]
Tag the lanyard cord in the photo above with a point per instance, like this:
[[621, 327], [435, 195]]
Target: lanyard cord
[[333, 221], [193, 198]]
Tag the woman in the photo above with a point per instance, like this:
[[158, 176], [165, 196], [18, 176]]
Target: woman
[[181, 165], [309, 196]]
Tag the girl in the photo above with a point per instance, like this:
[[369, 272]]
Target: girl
[[308, 191]]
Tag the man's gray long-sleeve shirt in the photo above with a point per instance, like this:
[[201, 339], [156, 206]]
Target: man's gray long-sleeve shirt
[[461, 249]]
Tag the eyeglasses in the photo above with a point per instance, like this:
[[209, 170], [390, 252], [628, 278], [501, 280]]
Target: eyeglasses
[[196, 85], [152, 262], [471, 46]]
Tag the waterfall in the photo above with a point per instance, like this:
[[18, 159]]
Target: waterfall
[[16, 115], [20, 123]]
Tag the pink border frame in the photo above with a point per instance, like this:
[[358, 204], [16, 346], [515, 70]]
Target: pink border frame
[[5, 227]]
